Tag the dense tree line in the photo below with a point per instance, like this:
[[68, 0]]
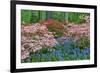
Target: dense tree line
[[33, 16]]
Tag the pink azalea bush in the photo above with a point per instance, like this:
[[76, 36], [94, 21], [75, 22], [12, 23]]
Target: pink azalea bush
[[34, 37], [82, 30]]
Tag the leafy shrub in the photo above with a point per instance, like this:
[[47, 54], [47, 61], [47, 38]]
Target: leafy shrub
[[34, 17], [82, 43], [76, 17], [59, 16], [54, 26]]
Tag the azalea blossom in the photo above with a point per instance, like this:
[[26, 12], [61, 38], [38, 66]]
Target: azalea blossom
[[79, 30], [24, 53], [34, 37]]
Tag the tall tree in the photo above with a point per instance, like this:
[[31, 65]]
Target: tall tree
[[48, 14], [66, 16], [42, 15], [26, 16]]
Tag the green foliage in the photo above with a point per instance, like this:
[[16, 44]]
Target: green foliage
[[34, 59], [59, 16], [76, 17], [42, 15], [58, 33], [44, 50], [35, 17], [26, 16], [32, 16], [58, 47], [82, 43]]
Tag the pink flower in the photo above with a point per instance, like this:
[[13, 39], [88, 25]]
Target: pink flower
[[79, 30], [24, 54], [40, 36]]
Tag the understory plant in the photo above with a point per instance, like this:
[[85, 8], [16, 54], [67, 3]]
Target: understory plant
[[83, 42]]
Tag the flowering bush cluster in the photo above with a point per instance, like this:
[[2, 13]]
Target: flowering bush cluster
[[34, 37], [78, 31], [53, 38], [55, 26]]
